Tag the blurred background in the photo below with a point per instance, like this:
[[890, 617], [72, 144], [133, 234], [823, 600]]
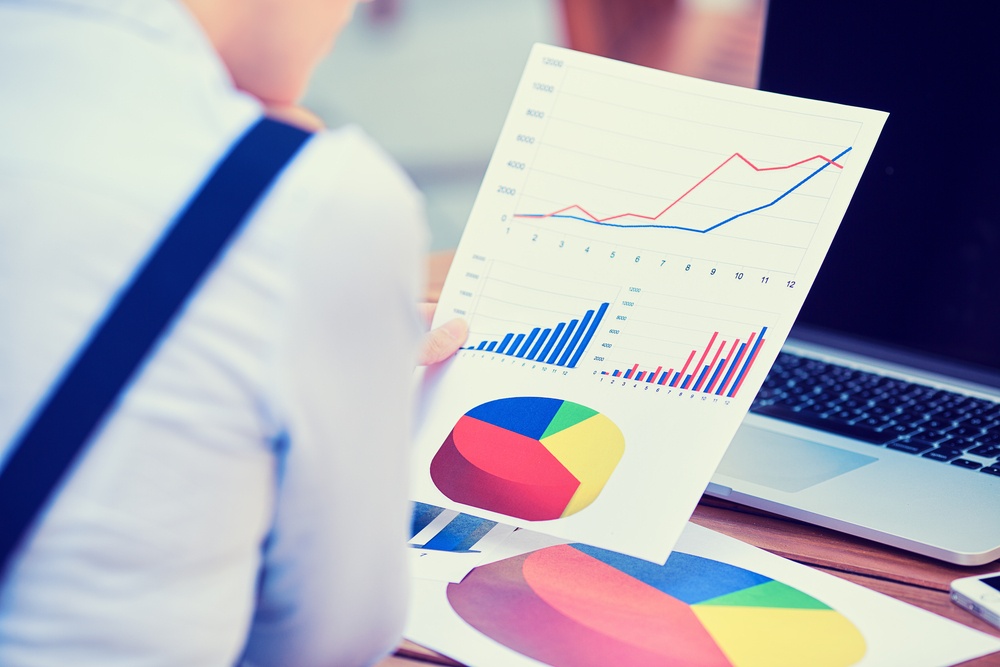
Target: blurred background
[[431, 80]]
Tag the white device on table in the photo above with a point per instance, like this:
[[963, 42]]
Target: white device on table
[[980, 595]]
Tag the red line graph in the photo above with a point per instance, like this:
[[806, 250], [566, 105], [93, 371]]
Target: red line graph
[[827, 162]]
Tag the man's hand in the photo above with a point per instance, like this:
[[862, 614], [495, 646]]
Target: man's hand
[[440, 343]]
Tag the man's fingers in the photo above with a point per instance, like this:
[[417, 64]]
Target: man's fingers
[[444, 341]]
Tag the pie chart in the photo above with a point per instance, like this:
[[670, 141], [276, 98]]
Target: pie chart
[[575, 606], [529, 457]]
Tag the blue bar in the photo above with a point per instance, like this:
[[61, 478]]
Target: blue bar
[[513, 346], [687, 381], [491, 346], [528, 342], [725, 378], [718, 369], [461, 534], [677, 375], [503, 344], [701, 376], [590, 334], [539, 343], [628, 374], [589, 315], [423, 514], [481, 345], [552, 340], [746, 364], [562, 341]]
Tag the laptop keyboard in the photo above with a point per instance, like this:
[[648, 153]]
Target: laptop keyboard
[[917, 419]]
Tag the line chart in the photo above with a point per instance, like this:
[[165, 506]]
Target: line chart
[[668, 173], [609, 221]]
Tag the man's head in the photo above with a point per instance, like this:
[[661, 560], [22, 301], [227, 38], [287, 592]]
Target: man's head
[[272, 46]]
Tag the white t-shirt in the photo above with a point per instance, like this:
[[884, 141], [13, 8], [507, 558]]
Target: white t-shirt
[[253, 480]]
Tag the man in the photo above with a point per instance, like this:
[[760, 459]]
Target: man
[[246, 501]]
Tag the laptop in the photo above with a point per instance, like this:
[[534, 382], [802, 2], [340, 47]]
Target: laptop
[[881, 417]]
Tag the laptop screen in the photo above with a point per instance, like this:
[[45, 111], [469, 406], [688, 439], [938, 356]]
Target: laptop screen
[[915, 267]]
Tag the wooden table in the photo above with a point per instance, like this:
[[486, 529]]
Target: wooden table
[[920, 581]]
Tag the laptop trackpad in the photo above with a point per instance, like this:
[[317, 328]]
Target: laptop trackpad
[[785, 463]]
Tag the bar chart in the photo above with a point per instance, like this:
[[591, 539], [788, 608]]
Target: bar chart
[[522, 313], [721, 374], [561, 344], [450, 531], [673, 338]]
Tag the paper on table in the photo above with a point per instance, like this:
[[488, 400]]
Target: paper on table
[[638, 251], [718, 601]]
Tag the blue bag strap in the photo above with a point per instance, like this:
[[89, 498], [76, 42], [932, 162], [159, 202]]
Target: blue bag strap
[[78, 404]]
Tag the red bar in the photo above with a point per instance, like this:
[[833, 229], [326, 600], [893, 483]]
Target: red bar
[[630, 374], [665, 376], [686, 364], [704, 354], [749, 366], [708, 375], [638, 378], [652, 376]]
